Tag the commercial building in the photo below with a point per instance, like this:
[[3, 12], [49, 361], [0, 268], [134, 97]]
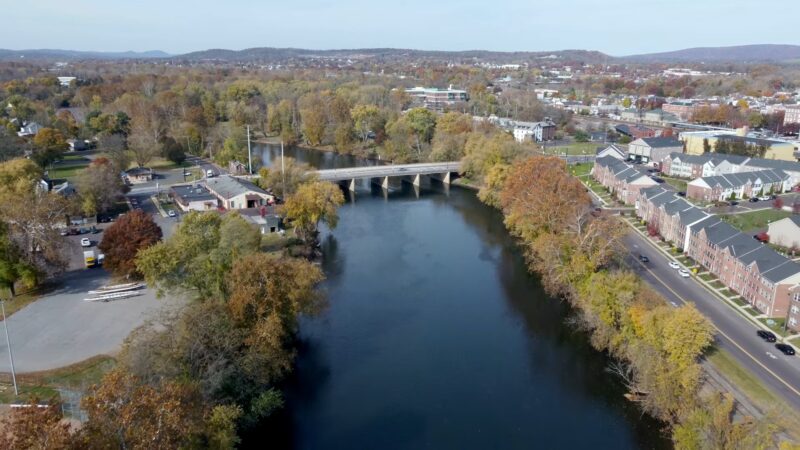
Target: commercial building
[[437, 99], [699, 142], [236, 193], [193, 198]]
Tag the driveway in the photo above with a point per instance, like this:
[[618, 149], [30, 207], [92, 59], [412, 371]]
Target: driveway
[[61, 329]]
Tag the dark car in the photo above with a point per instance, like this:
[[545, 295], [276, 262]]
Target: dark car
[[733, 203], [643, 258], [657, 179], [753, 199], [682, 193], [786, 349], [767, 335]]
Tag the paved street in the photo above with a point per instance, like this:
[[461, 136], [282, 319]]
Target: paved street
[[735, 334]]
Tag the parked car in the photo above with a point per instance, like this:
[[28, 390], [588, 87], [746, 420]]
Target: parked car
[[73, 232], [786, 349], [753, 199], [643, 258], [674, 265], [684, 273], [765, 198], [85, 230], [761, 237], [682, 193], [733, 203], [767, 335], [209, 173], [171, 213], [63, 232], [85, 242]]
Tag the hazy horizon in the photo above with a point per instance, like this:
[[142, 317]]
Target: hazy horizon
[[617, 28]]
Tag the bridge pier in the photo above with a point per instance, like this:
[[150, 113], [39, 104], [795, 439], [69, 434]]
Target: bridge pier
[[351, 185], [417, 180]]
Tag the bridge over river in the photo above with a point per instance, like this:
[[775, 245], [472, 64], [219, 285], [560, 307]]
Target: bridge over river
[[442, 171]]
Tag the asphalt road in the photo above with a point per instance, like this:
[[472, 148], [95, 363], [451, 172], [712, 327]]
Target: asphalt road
[[734, 333]]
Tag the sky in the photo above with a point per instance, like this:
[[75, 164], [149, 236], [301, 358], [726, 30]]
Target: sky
[[615, 27]]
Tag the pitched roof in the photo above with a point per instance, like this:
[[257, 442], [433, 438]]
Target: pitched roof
[[735, 180], [228, 187]]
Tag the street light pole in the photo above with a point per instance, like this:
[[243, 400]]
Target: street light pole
[[249, 154], [8, 342], [283, 173]]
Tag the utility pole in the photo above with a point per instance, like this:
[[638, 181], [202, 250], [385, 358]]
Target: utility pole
[[249, 154], [283, 173], [8, 342]]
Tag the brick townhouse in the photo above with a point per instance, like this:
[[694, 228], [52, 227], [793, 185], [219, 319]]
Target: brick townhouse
[[763, 277], [758, 273], [670, 214], [739, 185], [794, 307], [622, 179]]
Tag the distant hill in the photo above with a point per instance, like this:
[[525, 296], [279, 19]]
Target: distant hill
[[740, 53], [270, 54], [55, 54]]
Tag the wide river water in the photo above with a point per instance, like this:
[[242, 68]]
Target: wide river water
[[435, 336]]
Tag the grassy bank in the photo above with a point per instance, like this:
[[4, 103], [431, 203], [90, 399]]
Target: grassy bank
[[44, 385]]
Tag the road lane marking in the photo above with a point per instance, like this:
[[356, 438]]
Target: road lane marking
[[722, 333]]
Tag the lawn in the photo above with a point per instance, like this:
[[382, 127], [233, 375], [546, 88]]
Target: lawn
[[44, 385], [756, 219], [574, 149], [739, 301], [165, 164], [727, 293], [581, 169], [752, 311], [716, 284], [777, 324], [678, 184], [707, 277], [67, 173]]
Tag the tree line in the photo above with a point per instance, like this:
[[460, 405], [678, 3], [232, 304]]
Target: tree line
[[656, 349]]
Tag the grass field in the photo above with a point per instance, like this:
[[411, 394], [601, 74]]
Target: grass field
[[576, 148], [755, 220]]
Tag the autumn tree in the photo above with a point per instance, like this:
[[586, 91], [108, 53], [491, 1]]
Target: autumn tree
[[99, 187], [365, 118], [34, 427], [199, 255], [123, 412], [33, 216], [115, 148], [49, 144], [314, 203], [125, 238], [286, 180], [421, 122]]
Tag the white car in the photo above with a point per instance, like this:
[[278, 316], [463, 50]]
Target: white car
[[674, 265], [684, 273], [171, 213], [765, 198], [85, 242], [209, 173]]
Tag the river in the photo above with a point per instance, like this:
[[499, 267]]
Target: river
[[435, 336]]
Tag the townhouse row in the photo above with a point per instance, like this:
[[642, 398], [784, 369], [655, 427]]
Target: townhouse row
[[765, 279]]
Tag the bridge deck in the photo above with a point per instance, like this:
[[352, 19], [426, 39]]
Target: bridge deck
[[387, 171]]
